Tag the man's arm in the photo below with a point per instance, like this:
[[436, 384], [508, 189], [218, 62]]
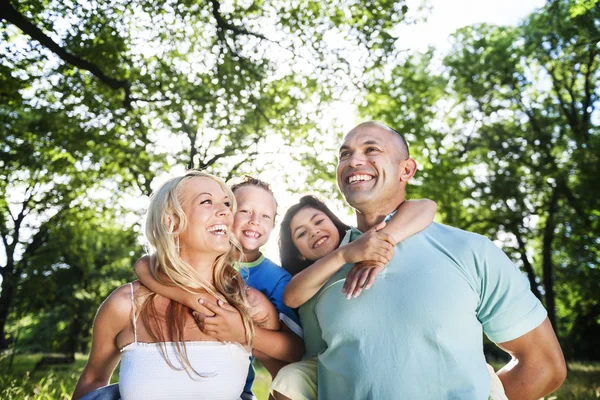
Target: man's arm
[[537, 367]]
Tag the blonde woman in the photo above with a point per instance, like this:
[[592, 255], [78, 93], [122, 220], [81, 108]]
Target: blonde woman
[[164, 355]]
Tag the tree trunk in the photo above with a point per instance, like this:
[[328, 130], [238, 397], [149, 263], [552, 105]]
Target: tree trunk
[[547, 264], [8, 288]]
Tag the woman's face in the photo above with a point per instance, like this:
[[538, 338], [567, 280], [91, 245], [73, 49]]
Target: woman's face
[[313, 233], [209, 217]]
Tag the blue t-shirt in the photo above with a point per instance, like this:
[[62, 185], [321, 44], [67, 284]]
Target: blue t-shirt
[[417, 333], [269, 279]]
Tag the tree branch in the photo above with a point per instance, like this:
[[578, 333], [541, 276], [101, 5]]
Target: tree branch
[[225, 25], [13, 16]]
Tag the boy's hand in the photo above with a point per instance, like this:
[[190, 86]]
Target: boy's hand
[[222, 321], [360, 277]]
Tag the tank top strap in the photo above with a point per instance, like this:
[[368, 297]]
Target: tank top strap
[[133, 313]]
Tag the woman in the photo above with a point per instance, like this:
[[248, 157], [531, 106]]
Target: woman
[[164, 354]]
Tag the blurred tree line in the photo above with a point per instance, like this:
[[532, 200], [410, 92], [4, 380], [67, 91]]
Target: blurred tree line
[[504, 126]]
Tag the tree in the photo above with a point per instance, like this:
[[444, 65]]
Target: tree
[[506, 130], [88, 89], [87, 256]]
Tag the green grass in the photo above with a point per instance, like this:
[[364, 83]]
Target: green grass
[[58, 382]]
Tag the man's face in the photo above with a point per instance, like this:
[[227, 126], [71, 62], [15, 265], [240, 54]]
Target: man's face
[[369, 166]]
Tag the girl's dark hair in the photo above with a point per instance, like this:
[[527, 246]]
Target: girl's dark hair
[[290, 257]]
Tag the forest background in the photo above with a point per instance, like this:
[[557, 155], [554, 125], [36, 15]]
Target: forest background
[[101, 101]]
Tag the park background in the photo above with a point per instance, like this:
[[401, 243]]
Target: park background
[[102, 101]]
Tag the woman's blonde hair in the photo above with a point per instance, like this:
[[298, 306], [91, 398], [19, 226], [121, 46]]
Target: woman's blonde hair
[[165, 221]]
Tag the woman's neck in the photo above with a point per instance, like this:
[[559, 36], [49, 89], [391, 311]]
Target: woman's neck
[[202, 263]]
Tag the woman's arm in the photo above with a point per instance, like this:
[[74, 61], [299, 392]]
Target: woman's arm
[[113, 317], [175, 293]]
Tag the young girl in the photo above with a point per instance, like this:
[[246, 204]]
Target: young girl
[[310, 237]]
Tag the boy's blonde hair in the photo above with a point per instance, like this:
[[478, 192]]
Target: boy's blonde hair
[[165, 221]]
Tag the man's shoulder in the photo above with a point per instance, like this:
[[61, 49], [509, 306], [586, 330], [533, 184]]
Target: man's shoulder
[[441, 231]]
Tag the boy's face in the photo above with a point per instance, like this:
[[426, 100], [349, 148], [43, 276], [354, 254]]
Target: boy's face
[[255, 217]]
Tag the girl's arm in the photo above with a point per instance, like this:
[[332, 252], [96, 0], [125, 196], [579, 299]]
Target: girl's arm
[[175, 293], [412, 217], [113, 317], [374, 246]]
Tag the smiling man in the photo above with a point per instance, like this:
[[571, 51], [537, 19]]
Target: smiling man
[[417, 333]]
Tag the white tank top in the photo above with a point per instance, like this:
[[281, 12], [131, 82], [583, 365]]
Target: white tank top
[[145, 374]]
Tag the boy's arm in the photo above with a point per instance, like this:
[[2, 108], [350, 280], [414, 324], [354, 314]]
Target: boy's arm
[[223, 322], [175, 293], [377, 247], [281, 345], [412, 217]]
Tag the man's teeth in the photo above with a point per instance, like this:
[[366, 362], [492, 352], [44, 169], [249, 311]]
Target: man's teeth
[[356, 178], [252, 234], [219, 229], [319, 242]]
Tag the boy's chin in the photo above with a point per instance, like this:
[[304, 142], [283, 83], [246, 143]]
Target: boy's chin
[[253, 248]]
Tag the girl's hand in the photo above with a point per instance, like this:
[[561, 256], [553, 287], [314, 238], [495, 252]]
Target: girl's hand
[[371, 253], [373, 245], [360, 277]]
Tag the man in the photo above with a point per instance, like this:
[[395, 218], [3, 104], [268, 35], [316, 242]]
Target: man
[[417, 333]]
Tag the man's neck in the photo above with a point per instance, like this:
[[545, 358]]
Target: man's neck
[[366, 220]]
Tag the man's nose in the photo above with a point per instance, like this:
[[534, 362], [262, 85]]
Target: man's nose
[[356, 159]]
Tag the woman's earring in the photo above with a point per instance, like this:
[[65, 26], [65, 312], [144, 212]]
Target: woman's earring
[[300, 256], [177, 245]]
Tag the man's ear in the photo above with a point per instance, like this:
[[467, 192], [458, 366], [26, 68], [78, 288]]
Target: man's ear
[[408, 168]]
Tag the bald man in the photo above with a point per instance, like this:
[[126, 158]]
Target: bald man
[[417, 333]]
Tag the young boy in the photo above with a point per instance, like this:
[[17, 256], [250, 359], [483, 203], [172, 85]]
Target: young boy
[[253, 223]]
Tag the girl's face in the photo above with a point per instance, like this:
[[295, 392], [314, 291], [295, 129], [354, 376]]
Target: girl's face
[[313, 233]]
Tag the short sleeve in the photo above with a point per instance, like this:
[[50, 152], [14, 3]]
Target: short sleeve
[[508, 309], [286, 314]]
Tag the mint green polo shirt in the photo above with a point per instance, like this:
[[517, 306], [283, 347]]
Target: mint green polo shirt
[[417, 332]]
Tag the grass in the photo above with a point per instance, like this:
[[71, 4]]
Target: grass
[[23, 382]]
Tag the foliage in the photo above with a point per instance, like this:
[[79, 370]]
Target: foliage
[[507, 129], [88, 89]]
